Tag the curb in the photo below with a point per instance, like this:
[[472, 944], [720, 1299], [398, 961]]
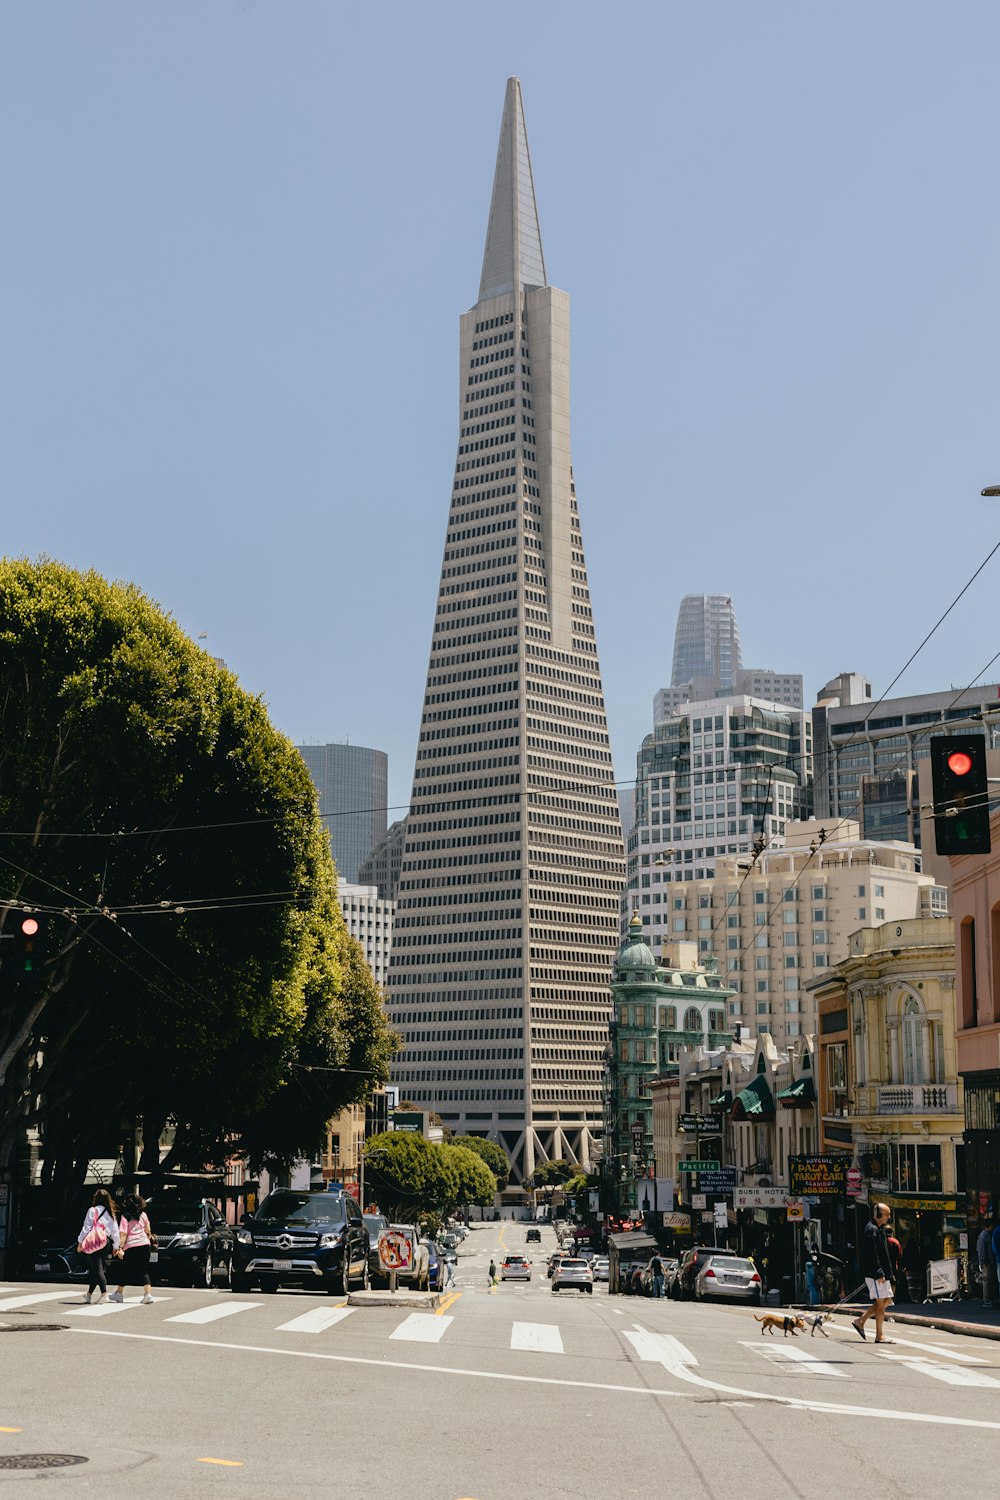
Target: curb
[[946, 1325]]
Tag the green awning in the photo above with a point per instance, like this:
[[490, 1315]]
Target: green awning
[[754, 1102], [801, 1093], [722, 1101]]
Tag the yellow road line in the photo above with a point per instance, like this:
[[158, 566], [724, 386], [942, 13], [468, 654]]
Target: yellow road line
[[227, 1463], [10, 1429], [444, 1306]]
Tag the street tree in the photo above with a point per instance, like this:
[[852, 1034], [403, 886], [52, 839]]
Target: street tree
[[475, 1182], [493, 1155], [194, 969]]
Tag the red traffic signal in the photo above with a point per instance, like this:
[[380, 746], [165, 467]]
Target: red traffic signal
[[959, 764], [961, 794], [29, 926]]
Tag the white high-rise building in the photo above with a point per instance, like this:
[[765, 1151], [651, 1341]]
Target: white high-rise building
[[507, 907]]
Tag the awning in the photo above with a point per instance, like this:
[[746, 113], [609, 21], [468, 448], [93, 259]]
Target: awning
[[754, 1102], [722, 1101], [800, 1094]]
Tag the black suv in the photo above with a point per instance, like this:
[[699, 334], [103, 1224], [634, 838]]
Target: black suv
[[196, 1243], [302, 1238]]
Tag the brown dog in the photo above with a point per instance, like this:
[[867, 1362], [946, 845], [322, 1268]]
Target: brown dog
[[770, 1321]]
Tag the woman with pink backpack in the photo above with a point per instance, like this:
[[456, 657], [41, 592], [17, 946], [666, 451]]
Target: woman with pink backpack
[[99, 1226]]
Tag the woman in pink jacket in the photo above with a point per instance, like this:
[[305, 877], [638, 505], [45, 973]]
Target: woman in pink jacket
[[136, 1243]]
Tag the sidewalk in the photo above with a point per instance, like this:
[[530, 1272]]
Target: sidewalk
[[952, 1317]]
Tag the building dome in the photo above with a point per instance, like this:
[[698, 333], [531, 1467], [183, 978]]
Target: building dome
[[635, 956]]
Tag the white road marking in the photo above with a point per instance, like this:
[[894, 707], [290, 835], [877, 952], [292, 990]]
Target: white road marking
[[945, 1350], [660, 1348], [422, 1328], [108, 1309], [544, 1338], [809, 1364], [65, 1295], [317, 1320], [948, 1373], [213, 1312]]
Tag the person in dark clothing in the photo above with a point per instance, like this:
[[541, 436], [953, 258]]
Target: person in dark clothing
[[876, 1268], [656, 1267]]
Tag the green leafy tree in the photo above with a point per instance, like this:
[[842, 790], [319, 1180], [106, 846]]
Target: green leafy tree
[[407, 1175], [197, 970], [552, 1173], [493, 1155], [476, 1183]]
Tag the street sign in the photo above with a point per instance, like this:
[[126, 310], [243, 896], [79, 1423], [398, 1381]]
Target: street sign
[[722, 1180], [697, 1166], [709, 1124], [854, 1188], [721, 1215], [677, 1221]]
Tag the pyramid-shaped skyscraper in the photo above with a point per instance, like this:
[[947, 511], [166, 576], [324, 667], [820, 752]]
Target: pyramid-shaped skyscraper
[[506, 924]]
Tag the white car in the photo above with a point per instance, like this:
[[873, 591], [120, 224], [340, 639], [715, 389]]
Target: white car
[[572, 1272], [515, 1268], [601, 1267]]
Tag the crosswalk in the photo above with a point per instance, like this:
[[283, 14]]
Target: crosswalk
[[840, 1359]]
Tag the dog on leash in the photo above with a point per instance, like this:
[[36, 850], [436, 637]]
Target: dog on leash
[[816, 1322], [770, 1321]]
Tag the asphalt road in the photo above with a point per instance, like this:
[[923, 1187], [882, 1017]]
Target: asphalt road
[[509, 1395]]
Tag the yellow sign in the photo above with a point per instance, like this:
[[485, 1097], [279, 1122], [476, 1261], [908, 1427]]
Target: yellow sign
[[795, 1210], [949, 1205]]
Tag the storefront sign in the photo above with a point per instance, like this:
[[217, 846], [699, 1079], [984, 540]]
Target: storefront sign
[[760, 1197], [699, 1200], [721, 1180], [924, 1205], [854, 1189], [818, 1176], [710, 1124], [795, 1210], [677, 1221], [942, 1277]]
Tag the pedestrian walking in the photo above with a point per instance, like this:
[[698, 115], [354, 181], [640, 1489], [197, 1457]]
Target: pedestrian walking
[[136, 1242], [656, 1266], [987, 1263], [492, 1275], [876, 1268], [449, 1272], [812, 1281], [100, 1230]]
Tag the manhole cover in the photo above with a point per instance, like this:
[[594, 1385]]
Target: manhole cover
[[33, 1327], [40, 1460]]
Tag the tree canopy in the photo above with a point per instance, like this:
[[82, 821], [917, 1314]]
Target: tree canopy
[[196, 968], [493, 1155], [411, 1176]]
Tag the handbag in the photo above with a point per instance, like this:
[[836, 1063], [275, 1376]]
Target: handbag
[[96, 1237]]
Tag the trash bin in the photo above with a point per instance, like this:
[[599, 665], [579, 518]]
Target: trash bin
[[773, 1298]]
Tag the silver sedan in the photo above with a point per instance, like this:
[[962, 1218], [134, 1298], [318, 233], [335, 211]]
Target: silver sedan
[[727, 1276], [573, 1272]]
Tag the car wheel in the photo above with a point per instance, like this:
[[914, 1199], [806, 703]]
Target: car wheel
[[209, 1270], [237, 1282], [345, 1274], [268, 1283], [366, 1279], [589, 1290]]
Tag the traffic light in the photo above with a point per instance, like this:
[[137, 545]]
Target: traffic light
[[961, 794], [29, 933]]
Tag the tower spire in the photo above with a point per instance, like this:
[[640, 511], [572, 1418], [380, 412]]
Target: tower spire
[[513, 258]]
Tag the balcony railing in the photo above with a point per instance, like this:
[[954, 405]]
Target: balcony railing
[[918, 1099]]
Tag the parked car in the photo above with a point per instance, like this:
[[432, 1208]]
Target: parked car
[[195, 1242], [374, 1223], [669, 1271], [554, 1260], [728, 1276], [533, 1237], [692, 1261], [601, 1267], [515, 1268], [46, 1250], [435, 1265], [416, 1271], [451, 1240], [301, 1238], [630, 1277], [572, 1272]]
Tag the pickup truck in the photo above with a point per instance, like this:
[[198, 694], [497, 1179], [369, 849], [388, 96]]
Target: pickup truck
[[401, 1252]]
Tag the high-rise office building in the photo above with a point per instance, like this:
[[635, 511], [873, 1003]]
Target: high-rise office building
[[706, 644], [383, 865], [506, 913], [353, 783]]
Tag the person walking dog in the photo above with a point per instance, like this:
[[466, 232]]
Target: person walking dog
[[136, 1239], [876, 1268], [99, 1226]]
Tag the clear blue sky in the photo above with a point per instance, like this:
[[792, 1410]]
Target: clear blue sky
[[238, 237]]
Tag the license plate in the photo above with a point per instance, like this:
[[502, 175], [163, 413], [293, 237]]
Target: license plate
[[42, 1265], [282, 1265], [153, 1255]]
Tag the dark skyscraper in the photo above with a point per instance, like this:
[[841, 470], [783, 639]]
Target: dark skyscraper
[[352, 782], [506, 918]]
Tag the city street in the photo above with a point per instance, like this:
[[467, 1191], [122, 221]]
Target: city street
[[509, 1395]]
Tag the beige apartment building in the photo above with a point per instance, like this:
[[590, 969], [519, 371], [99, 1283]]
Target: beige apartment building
[[777, 922]]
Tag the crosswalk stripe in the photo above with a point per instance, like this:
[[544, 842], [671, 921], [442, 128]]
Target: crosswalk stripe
[[543, 1338], [945, 1353], [423, 1328], [213, 1312], [949, 1374], [107, 1309], [808, 1363], [8, 1303], [317, 1320]]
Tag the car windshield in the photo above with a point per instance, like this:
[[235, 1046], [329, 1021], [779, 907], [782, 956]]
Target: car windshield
[[286, 1207], [573, 1265], [176, 1218], [374, 1224]]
